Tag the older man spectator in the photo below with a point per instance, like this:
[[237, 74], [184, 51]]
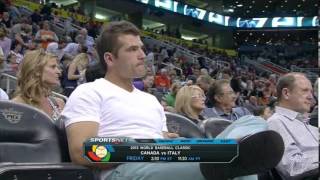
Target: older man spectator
[[88, 40], [301, 155], [223, 99]]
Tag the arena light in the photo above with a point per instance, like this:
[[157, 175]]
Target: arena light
[[230, 10], [189, 38], [100, 16], [213, 17]]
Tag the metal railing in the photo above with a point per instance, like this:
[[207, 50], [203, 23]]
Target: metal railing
[[12, 79], [175, 67], [299, 69], [276, 66], [191, 56], [8, 79], [256, 64], [311, 73]]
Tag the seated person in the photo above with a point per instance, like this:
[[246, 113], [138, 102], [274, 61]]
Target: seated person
[[45, 35], [301, 154], [190, 102], [113, 107], [168, 100], [223, 99], [39, 74], [78, 66], [162, 81], [145, 84]]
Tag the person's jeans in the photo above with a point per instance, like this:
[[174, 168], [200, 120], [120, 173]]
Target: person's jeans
[[155, 171]]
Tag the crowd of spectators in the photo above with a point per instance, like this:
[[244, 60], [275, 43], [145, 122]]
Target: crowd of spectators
[[226, 92], [75, 51], [285, 48]]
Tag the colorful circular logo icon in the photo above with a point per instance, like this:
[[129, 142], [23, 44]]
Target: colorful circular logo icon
[[99, 153]]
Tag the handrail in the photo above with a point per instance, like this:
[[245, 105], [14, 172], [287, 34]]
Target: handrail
[[191, 54], [299, 69], [10, 77], [276, 65], [175, 67], [256, 64], [65, 98]]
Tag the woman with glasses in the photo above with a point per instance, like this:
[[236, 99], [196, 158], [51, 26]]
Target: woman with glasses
[[190, 101], [38, 74]]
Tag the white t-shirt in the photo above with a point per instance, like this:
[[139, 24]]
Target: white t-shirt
[[71, 49], [119, 113], [150, 57], [3, 95]]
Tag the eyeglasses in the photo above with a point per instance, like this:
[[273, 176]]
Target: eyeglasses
[[199, 96]]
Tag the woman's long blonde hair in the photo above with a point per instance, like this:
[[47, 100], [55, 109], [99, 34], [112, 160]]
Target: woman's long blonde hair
[[30, 86], [184, 99], [81, 61]]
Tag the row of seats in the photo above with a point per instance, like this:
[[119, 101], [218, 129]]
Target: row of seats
[[34, 147], [181, 125], [212, 127]]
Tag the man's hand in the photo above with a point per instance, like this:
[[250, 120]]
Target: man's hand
[[168, 135]]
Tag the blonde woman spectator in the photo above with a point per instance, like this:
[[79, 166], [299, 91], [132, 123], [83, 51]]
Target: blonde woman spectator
[[190, 102], [37, 76], [78, 66]]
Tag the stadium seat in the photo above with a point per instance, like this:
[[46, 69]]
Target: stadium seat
[[30, 146], [183, 126], [63, 141], [258, 153], [214, 126], [273, 174]]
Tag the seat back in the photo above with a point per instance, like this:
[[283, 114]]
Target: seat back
[[62, 135], [214, 126], [183, 126], [27, 135]]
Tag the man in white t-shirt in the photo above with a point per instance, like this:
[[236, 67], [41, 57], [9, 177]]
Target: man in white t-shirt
[[113, 107]]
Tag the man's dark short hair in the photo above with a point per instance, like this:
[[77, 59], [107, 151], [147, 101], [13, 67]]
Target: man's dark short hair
[[108, 39]]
